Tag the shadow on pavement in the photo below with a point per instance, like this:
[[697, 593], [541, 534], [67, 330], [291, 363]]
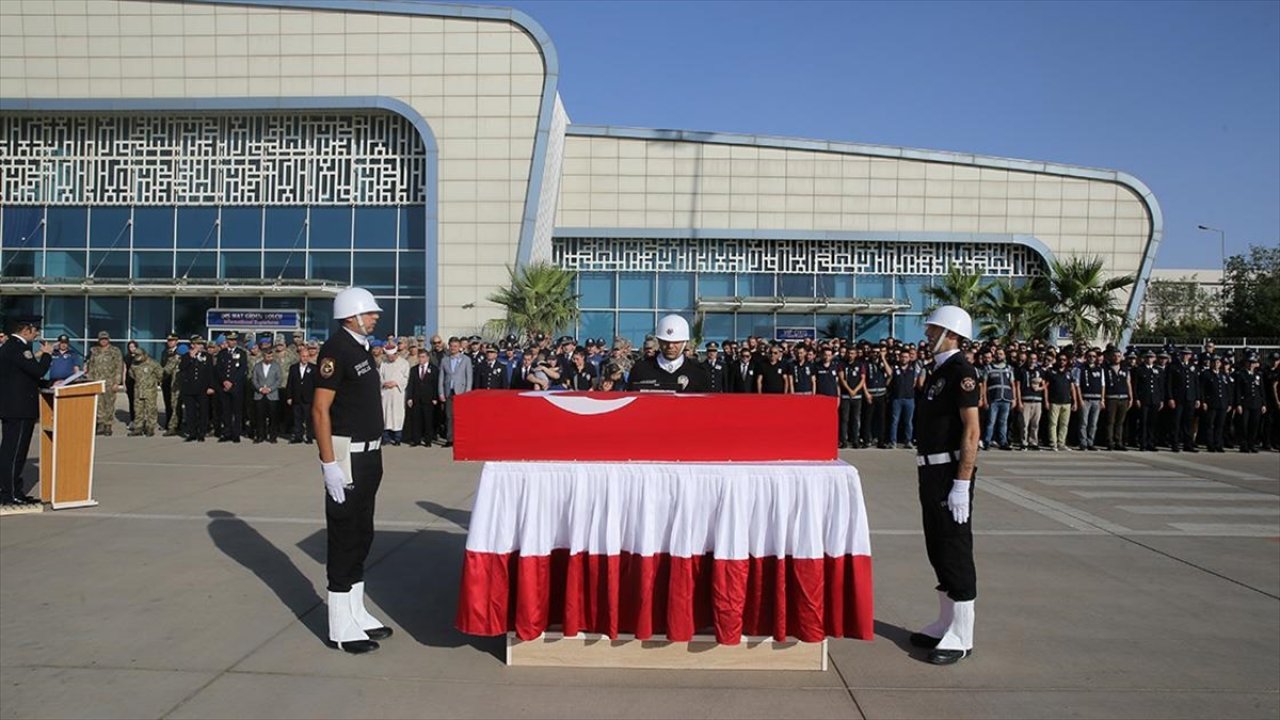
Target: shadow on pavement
[[461, 518], [240, 542], [901, 637]]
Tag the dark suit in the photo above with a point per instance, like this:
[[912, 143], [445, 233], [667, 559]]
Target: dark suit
[[520, 377], [301, 390], [738, 381], [424, 380], [20, 374]]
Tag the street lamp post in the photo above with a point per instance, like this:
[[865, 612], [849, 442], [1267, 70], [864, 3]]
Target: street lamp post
[[1222, 238]]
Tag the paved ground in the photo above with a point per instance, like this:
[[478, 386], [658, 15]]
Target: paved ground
[[1131, 585]]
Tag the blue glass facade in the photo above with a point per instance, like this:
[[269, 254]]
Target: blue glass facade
[[381, 248], [629, 303]]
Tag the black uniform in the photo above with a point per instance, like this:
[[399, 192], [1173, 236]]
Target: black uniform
[[20, 374], [1149, 390], [195, 379], [851, 405], [1217, 393], [939, 430], [489, 377], [875, 412], [576, 379], [715, 373], [347, 368], [802, 374], [1184, 391], [233, 367], [647, 375], [1249, 398]]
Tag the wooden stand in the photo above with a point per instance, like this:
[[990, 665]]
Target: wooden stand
[[68, 418], [702, 653]]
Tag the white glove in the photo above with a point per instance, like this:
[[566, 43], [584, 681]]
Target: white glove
[[958, 501], [335, 481]]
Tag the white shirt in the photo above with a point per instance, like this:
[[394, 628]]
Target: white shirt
[[670, 365], [943, 356], [359, 338]]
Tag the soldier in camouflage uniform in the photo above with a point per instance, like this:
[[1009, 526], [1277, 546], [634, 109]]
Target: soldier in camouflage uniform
[[146, 382], [170, 369], [105, 363]]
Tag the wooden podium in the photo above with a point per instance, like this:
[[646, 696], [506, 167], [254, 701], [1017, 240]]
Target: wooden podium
[[68, 418]]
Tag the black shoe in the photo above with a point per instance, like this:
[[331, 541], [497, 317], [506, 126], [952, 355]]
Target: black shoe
[[27, 500], [379, 633], [1092, 448], [1193, 449], [200, 439], [236, 440], [1122, 449], [921, 640], [192, 439], [272, 441], [948, 657], [256, 441], [224, 439], [295, 441], [446, 443], [358, 647]]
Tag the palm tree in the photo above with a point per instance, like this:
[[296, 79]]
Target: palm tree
[[540, 299], [1077, 297], [958, 287], [1013, 311]]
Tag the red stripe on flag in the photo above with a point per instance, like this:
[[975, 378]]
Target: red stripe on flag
[[660, 595]]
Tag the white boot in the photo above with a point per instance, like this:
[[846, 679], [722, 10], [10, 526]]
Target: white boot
[[342, 624], [946, 610], [959, 635], [358, 611]]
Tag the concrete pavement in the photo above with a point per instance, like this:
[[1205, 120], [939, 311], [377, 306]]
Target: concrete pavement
[[1131, 585]]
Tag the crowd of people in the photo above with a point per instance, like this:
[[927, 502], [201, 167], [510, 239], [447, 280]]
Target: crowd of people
[[1035, 396]]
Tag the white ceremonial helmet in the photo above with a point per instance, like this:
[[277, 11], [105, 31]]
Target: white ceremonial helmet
[[672, 328], [955, 319], [354, 301]]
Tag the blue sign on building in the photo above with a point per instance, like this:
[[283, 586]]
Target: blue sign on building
[[795, 333], [253, 319]]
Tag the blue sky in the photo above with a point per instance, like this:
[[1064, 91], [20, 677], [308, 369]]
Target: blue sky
[[1186, 96]]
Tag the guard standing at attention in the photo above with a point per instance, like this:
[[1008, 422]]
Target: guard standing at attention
[[715, 368], [1184, 401], [947, 428], [670, 369], [232, 374], [23, 361], [1149, 386], [1119, 394], [1250, 405], [195, 380], [346, 415]]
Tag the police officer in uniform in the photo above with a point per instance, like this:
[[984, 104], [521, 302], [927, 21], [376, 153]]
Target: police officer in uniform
[[1217, 392], [1149, 385], [23, 361], [947, 450], [232, 373], [715, 367], [195, 381], [346, 415], [1249, 403], [670, 368], [1119, 394], [1184, 401]]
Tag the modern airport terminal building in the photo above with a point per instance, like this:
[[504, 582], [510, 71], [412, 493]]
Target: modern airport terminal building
[[162, 160]]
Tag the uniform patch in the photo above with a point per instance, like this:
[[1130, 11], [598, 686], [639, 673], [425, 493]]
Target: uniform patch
[[28, 355], [968, 384], [327, 366], [936, 388]]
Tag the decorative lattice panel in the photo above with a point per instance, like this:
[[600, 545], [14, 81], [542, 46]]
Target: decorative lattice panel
[[829, 257], [261, 159]]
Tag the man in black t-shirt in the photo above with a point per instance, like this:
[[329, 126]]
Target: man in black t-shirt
[[346, 415], [947, 433]]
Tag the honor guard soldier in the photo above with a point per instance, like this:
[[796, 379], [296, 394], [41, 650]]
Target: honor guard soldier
[[232, 374], [1184, 401], [1149, 385], [23, 361], [715, 367], [670, 369], [347, 418], [1249, 403], [1119, 393], [1217, 393], [947, 450]]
